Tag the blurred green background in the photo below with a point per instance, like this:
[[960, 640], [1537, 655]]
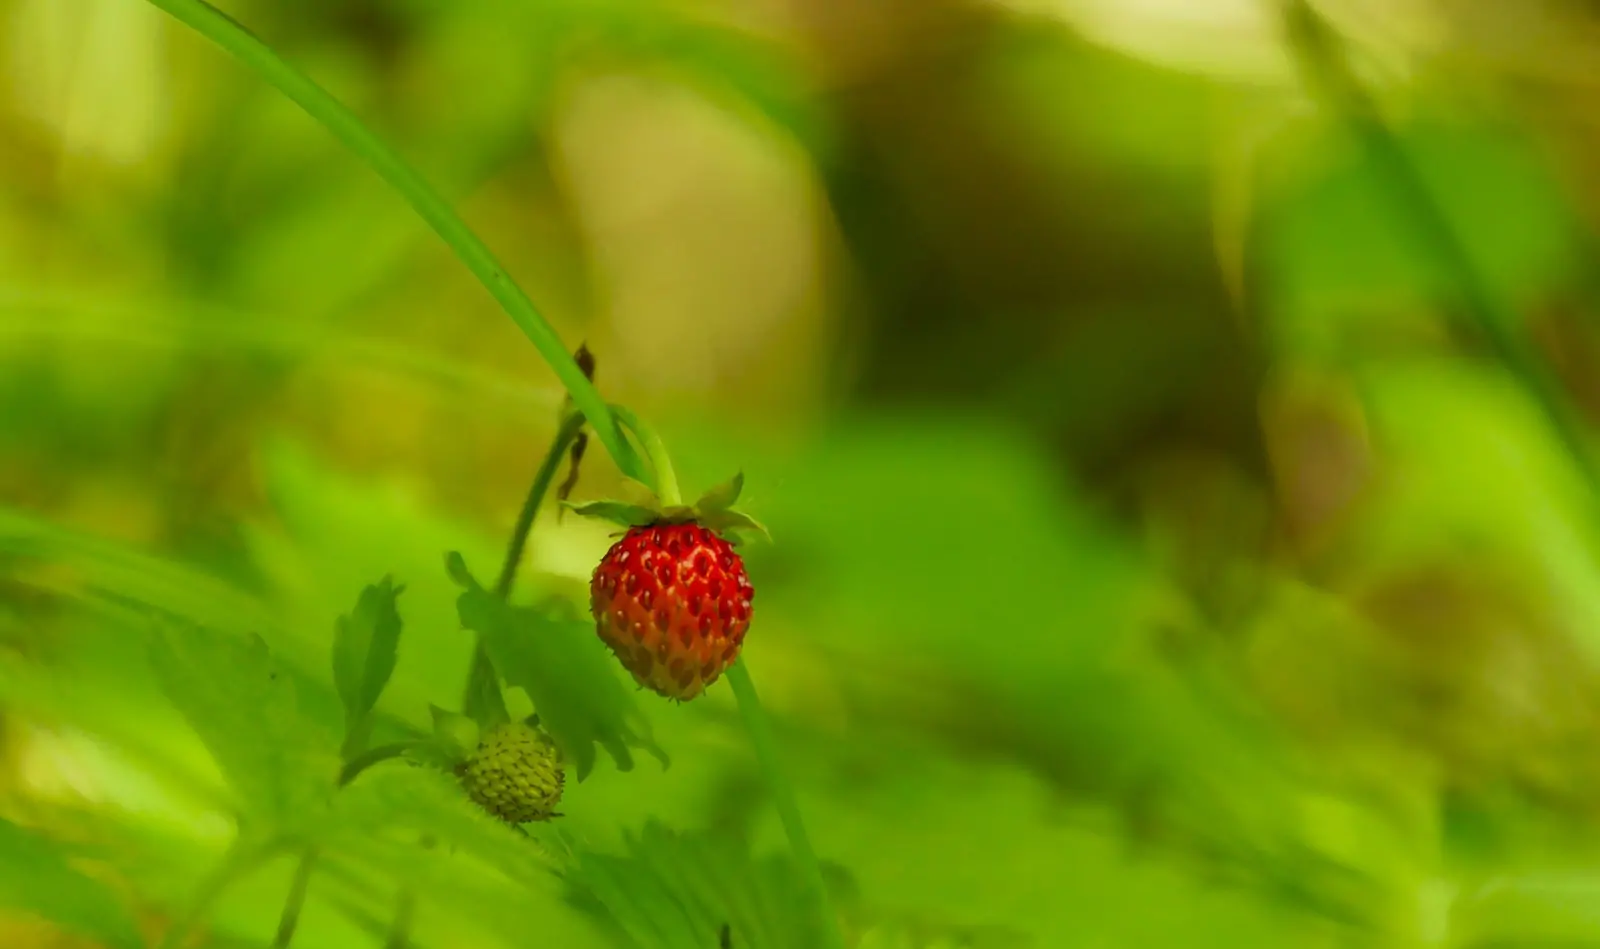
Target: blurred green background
[[1158, 562]]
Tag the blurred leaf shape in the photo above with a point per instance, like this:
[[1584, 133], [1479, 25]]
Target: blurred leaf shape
[[564, 669], [36, 877], [674, 890], [365, 643], [281, 764], [430, 802], [93, 71], [1345, 258], [99, 568], [334, 534]]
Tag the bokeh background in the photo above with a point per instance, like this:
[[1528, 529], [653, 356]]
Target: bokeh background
[[1161, 559]]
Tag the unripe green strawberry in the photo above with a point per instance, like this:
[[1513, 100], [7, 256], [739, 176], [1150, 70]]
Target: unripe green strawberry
[[515, 773], [672, 601]]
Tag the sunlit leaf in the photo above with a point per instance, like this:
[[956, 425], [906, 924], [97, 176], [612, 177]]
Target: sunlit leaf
[[281, 765]]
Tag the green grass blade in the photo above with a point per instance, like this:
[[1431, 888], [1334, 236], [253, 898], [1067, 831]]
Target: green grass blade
[[222, 30]]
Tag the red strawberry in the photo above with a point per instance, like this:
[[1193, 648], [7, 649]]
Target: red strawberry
[[673, 603], [671, 598]]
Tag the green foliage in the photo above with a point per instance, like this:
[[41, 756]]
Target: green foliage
[[564, 670], [364, 646], [618, 512], [675, 890], [1005, 712], [36, 877], [281, 765]]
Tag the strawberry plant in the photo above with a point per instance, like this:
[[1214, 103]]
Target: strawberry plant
[[481, 774], [1058, 654]]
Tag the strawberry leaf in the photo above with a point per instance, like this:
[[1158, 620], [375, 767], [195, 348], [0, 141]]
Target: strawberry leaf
[[721, 497], [674, 889], [364, 646], [246, 712], [565, 671], [397, 795], [617, 512]]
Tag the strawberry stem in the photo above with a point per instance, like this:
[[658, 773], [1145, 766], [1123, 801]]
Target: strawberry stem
[[656, 450], [220, 29], [290, 919], [570, 427], [783, 798]]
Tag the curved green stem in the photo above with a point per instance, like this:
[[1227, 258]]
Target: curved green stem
[[482, 683], [296, 900], [240, 860], [400, 929], [656, 450], [352, 769], [220, 29], [565, 435], [766, 748]]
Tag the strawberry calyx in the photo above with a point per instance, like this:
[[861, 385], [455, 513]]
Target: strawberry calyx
[[714, 511]]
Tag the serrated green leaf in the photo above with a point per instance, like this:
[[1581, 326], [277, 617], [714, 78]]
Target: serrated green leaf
[[280, 764], [568, 675], [723, 496], [617, 512], [365, 643], [35, 877], [678, 890], [431, 803]]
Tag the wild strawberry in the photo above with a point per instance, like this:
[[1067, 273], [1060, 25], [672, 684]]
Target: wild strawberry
[[671, 599], [515, 773]]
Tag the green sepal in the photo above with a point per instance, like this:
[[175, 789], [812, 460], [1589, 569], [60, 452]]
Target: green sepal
[[733, 521], [721, 497], [617, 512]]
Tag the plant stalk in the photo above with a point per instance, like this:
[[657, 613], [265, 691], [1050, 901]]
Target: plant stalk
[[666, 480], [352, 768], [239, 42], [481, 679], [400, 930], [566, 433], [240, 860], [783, 798], [296, 900]]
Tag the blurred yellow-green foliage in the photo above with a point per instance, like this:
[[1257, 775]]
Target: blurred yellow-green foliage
[[1162, 558]]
